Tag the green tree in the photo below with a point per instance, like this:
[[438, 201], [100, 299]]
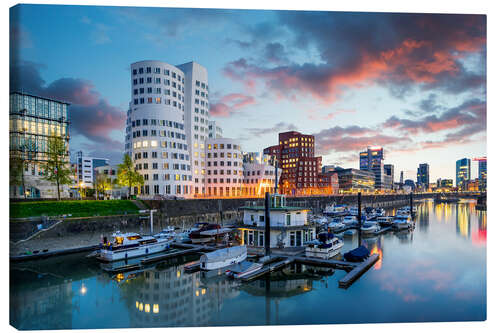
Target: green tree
[[16, 168], [127, 175], [57, 168], [103, 183]]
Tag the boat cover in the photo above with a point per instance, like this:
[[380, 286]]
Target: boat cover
[[223, 254], [214, 232], [358, 254]]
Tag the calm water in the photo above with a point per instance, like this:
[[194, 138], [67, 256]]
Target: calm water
[[435, 273]]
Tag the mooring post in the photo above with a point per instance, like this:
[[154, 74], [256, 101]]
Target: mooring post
[[267, 218], [411, 204], [220, 210], [359, 219], [275, 176]]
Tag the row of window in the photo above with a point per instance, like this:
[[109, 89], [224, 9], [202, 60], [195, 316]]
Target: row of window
[[222, 146], [157, 70], [157, 80], [221, 163], [159, 91], [157, 100], [166, 166], [168, 190], [155, 122], [163, 144], [161, 133], [227, 172], [222, 155], [164, 155]]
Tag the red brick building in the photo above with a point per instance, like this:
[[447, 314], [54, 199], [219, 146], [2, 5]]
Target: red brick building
[[300, 168]]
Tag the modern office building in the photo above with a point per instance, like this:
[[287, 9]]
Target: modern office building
[[84, 169], [423, 176], [32, 121], [111, 173], [444, 183], [214, 130], [462, 173], [354, 180], [300, 168], [165, 126], [258, 175], [328, 168], [224, 168], [373, 160], [482, 173], [410, 183], [389, 174]]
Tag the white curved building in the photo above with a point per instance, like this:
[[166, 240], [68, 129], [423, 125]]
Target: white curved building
[[258, 175], [224, 168], [156, 134]]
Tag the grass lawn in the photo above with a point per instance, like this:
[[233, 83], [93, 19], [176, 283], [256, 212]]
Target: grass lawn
[[77, 208]]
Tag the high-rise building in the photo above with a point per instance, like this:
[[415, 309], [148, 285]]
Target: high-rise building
[[444, 183], [32, 121], [373, 160], [482, 173], [214, 130], [389, 173], [300, 168], [462, 173], [423, 176], [167, 125], [258, 174]]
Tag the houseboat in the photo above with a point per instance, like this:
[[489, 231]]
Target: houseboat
[[131, 245], [288, 225]]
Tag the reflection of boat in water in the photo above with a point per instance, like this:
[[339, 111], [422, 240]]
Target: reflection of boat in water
[[131, 245]]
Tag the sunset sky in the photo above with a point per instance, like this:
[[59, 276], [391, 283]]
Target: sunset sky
[[412, 83]]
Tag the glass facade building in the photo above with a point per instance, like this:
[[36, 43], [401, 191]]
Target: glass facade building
[[462, 172]]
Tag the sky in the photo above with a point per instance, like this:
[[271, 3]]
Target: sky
[[414, 84]]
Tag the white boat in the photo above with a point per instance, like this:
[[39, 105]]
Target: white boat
[[182, 237], [350, 221], [325, 246], [335, 210], [370, 228], [385, 221], [379, 212], [167, 233], [223, 258], [353, 211], [336, 226], [243, 269], [131, 245], [320, 220], [403, 222]]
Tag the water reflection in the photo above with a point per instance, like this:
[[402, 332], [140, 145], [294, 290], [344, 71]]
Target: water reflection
[[420, 276]]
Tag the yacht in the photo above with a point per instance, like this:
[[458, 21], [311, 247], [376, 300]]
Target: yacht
[[131, 245], [336, 226], [335, 210], [385, 221], [221, 260], [198, 235], [325, 246], [350, 221], [320, 220], [379, 212], [370, 228], [167, 233], [403, 222], [353, 211]]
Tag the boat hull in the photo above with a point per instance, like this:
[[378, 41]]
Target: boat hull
[[114, 255]]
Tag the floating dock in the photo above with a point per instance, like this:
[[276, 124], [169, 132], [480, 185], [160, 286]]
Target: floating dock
[[358, 270]]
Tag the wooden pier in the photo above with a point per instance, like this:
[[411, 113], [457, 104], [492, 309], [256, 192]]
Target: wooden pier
[[361, 268]]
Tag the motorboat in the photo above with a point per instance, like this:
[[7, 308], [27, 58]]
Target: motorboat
[[220, 260], [385, 221], [325, 246], [350, 221], [357, 255], [379, 212], [243, 269], [335, 210], [167, 233], [199, 236], [320, 220], [370, 228], [403, 222], [353, 211], [336, 226], [182, 237], [130, 245]]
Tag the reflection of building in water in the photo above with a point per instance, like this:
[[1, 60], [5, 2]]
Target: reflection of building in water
[[463, 219], [423, 216], [443, 212], [44, 302], [291, 281], [173, 298]]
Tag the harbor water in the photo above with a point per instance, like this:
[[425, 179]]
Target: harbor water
[[436, 272]]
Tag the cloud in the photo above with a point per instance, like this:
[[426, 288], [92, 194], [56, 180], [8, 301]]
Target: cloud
[[90, 113], [100, 32], [402, 51], [352, 138], [470, 117], [279, 127], [313, 114], [230, 104]]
